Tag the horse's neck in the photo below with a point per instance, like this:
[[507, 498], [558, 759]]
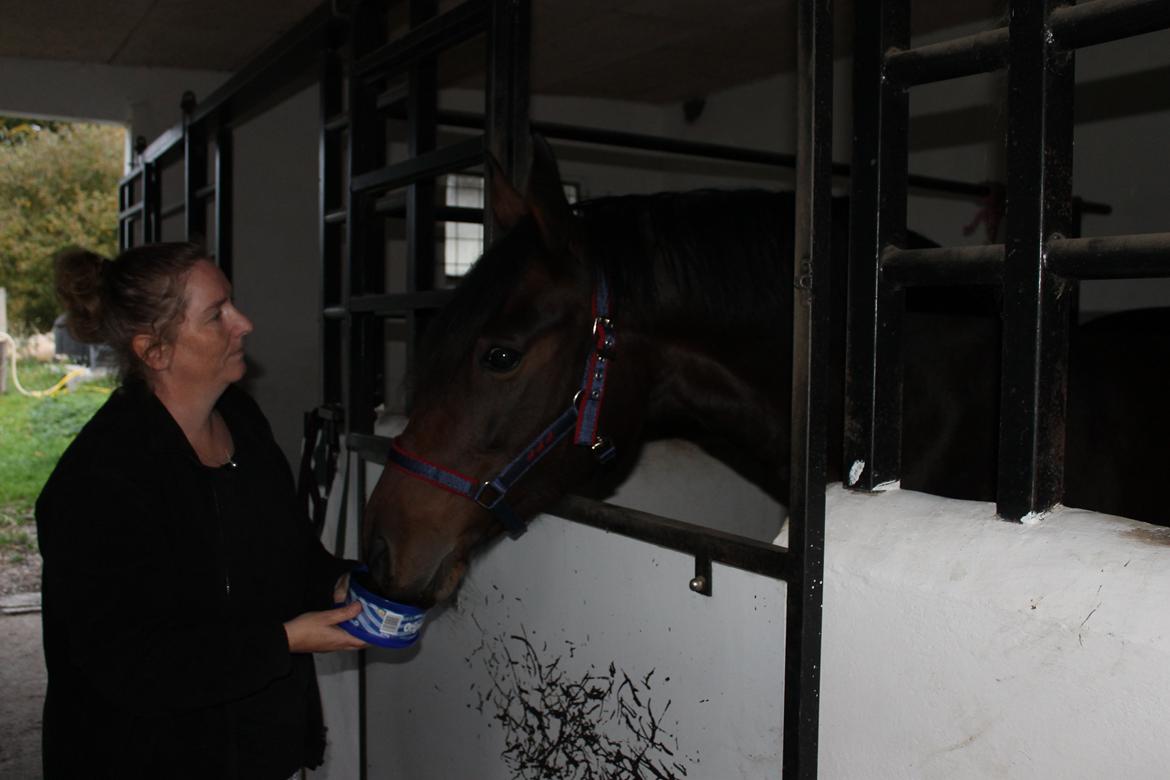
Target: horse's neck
[[706, 299]]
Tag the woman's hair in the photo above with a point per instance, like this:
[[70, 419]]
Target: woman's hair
[[138, 292]]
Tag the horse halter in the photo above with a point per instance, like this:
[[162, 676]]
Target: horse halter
[[581, 419]]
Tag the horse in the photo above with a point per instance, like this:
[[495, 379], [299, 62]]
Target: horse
[[580, 334]]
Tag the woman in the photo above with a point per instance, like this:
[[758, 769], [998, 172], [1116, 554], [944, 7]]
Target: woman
[[183, 591]]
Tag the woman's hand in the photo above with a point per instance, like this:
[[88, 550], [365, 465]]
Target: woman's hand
[[317, 632]]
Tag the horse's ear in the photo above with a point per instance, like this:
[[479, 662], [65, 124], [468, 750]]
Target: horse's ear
[[546, 199], [508, 207]]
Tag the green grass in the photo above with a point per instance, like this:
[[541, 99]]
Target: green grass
[[33, 434]]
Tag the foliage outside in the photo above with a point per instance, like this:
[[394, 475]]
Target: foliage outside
[[33, 434], [58, 188]]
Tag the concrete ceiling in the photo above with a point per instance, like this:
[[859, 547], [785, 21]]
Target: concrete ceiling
[[647, 50]]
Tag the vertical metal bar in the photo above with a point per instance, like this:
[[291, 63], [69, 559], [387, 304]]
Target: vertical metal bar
[[1036, 303], [422, 130], [223, 200], [151, 203], [810, 351], [363, 358], [194, 173], [330, 197], [506, 121], [881, 108]]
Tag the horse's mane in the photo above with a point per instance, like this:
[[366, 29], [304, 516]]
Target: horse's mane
[[706, 256]]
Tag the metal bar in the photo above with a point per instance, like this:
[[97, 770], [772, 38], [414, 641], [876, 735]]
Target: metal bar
[[205, 192], [653, 143], [507, 98], [223, 200], [811, 266], [152, 220], [719, 546], [873, 408], [171, 209], [422, 132], [1102, 21], [388, 207], [443, 32], [455, 157], [978, 53], [363, 353], [391, 304], [133, 211], [943, 266], [334, 123], [1036, 308], [167, 142], [194, 173], [333, 215], [1139, 256]]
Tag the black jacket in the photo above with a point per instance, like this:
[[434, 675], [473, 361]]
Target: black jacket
[[166, 584]]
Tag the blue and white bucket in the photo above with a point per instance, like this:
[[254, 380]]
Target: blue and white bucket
[[382, 622]]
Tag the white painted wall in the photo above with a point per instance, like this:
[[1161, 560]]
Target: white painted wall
[[955, 645], [276, 265]]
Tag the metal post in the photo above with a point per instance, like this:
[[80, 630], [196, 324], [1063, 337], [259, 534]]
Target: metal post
[[1036, 302], [810, 350], [506, 122], [873, 413], [422, 130]]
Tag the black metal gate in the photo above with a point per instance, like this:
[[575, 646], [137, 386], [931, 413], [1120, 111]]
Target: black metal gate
[[1037, 267]]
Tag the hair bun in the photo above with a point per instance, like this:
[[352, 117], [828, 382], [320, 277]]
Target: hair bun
[[79, 275]]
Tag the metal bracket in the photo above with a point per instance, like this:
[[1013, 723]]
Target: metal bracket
[[701, 582]]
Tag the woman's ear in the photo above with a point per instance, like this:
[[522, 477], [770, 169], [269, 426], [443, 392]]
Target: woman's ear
[[154, 354]]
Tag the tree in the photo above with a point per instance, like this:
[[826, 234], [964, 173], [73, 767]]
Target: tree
[[58, 188]]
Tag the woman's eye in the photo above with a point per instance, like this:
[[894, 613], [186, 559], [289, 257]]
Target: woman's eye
[[501, 359]]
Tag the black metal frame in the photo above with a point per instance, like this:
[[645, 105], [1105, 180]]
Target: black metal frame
[[1041, 259]]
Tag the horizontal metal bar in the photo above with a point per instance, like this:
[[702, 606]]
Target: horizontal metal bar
[[393, 99], [651, 143], [391, 303], [454, 157], [739, 552], [965, 56], [1102, 21], [133, 211], [463, 214], [336, 217], [1137, 256], [130, 178], [170, 140], [430, 38], [337, 122], [964, 265], [719, 546], [204, 192], [171, 209], [373, 448]]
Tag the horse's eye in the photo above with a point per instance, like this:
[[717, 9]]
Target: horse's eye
[[501, 358]]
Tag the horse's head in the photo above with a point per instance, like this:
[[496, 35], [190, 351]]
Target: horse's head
[[494, 408]]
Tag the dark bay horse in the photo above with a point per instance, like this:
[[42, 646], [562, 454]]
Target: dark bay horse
[[579, 334]]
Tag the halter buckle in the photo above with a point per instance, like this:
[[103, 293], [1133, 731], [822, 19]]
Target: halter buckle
[[603, 326], [602, 449], [482, 492]]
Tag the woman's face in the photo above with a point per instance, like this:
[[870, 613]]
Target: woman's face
[[208, 349]]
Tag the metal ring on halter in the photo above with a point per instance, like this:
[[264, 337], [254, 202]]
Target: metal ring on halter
[[479, 495], [602, 322]]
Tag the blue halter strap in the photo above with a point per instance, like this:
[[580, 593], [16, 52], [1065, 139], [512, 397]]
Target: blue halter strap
[[581, 419]]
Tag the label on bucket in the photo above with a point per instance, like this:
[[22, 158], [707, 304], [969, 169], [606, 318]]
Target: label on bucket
[[390, 622]]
